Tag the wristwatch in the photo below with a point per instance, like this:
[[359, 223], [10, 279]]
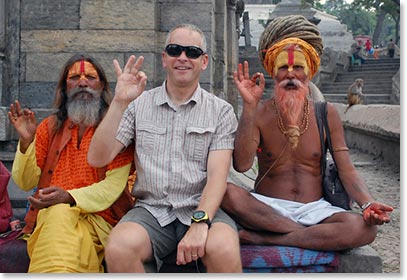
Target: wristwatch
[[200, 216]]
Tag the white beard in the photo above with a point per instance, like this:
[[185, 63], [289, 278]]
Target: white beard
[[84, 111]]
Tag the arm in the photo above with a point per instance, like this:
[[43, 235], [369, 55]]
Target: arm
[[247, 135], [195, 239], [93, 198], [24, 122], [130, 84], [353, 182], [25, 171]]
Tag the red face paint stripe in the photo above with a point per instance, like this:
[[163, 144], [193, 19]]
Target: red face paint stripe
[[82, 70], [291, 55]]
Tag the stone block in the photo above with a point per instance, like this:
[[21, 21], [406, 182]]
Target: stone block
[[360, 260], [172, 14], [374, 129], [53, 41], [112, 14], [45, 67], [49, 14], [37, 94]]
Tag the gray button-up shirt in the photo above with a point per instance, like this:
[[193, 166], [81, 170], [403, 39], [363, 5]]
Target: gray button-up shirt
[[172, 147]]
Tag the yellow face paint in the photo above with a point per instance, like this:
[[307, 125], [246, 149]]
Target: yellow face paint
[[311, 56], [82, 70], [291, 57]]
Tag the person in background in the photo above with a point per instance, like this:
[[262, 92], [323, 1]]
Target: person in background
[[76, 205], [286, 206], [184, 140], [368, 47], [391, 48]]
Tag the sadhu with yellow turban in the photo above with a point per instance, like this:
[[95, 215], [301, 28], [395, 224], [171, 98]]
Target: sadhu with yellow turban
[[291, 42], [287, 207]]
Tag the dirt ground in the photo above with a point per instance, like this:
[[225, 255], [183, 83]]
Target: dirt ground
[[384, 184]]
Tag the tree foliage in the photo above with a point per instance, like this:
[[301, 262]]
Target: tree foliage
[[379, 19]]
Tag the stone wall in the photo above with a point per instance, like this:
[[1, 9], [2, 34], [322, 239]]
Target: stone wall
[[38, 36], [374, 129]]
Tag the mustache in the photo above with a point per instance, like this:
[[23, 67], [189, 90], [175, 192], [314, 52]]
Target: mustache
[[78, 90], [291, 83]]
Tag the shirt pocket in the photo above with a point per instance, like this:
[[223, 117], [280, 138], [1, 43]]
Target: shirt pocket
[[198, 140], [150, 138]]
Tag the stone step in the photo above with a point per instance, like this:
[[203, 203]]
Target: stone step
[[366, 96], [368, 85], [344, 90]]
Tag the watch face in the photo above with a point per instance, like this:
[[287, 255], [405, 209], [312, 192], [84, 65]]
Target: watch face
[[199, 215]]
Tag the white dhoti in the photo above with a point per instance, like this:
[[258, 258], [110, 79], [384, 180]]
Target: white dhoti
[[307, 214]]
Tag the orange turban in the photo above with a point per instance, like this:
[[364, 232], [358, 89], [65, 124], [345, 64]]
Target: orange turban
[[311, 56]]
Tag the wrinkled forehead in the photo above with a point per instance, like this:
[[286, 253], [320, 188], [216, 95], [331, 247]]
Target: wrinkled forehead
[[82, 68]]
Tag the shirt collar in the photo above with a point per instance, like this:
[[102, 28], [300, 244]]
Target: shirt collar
[[163, 98]]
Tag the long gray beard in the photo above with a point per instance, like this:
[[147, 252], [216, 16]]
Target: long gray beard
[[84, 111]]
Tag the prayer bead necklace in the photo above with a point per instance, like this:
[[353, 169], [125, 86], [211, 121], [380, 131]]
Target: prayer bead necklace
[[304, 123]]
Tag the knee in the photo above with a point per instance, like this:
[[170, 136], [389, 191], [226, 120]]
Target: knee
[[363, 234], [224, 244], [222, 251], [232, 194], [113, 248]]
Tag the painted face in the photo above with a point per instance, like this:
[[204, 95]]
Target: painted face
[[291, 58], [83, 74], [82, 70]]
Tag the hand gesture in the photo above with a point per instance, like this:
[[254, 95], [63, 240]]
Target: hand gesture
[[24, 122], [248, 88], [192, 246], [131, 82], [376, 214], [50, 196]]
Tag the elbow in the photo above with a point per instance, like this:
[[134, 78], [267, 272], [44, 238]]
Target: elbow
[[242, 163], [239, 167], [94, 160]]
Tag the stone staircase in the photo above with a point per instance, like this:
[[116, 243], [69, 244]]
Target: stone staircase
[[377, 74]]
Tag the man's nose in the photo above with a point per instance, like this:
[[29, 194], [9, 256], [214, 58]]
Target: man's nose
[[83, 81], [183, 55], [290, 73]]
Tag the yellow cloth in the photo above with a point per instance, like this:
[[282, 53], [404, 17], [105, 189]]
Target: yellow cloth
[[64, 240], [69, 239], [310, 54], [93, 198]]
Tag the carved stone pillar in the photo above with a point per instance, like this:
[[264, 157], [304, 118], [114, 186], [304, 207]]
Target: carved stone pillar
[[232, 47]]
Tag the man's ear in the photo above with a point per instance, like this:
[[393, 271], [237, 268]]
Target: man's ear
[[163, 60], [205, 61]]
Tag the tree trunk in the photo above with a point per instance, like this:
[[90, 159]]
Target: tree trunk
[[379, 27]]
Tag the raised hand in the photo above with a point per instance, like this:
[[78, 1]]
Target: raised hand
[[24, 122], [249, 90], [131, 82]]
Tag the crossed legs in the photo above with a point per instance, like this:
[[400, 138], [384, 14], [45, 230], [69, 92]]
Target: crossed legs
[[263, 225]]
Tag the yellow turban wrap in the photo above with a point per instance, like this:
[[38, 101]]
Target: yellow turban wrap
[[311, 56]]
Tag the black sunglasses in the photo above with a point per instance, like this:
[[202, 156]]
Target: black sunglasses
[[175, 50]]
